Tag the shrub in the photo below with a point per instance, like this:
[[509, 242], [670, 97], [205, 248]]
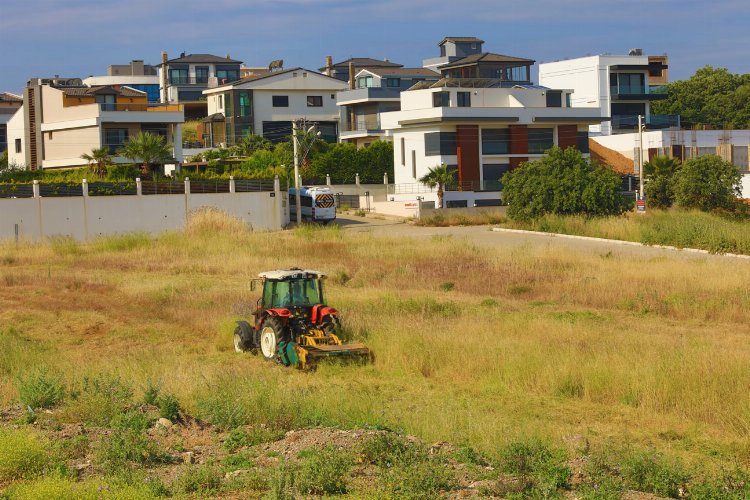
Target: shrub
[[98, 400], [169, 407], [539, 467], [203, 480], [733, 485], [563, 182], [707, 183], [239, 438], [323, 471], [23, 455], [59, 488], [40, 390], [388, 449], [650, 472], [418, 479], [128, 443], [151, 394]]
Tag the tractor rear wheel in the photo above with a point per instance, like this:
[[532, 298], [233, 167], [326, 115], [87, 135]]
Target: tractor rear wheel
[[270, 335]]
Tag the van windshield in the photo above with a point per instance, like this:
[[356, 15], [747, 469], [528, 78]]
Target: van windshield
[[291, 293]]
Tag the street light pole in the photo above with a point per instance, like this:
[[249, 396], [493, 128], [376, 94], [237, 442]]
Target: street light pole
[[640, 154], [298, 200]]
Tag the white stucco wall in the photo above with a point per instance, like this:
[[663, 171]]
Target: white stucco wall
[[87, 217], [16, 128]]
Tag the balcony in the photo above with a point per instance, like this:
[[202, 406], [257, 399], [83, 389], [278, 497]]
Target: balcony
[[634, 93], [363, 124], [141, 113], [368, 93], [189, 80], [143, 107], [653, 122]]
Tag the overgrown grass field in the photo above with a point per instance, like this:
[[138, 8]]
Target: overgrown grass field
[[642, 363]]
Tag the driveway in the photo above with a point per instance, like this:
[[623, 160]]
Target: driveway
[[484, 236]]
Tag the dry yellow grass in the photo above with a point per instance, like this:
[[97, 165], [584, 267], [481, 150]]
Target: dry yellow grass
[[529, 343]]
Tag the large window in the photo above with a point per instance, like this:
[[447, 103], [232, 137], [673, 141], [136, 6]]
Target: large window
[[178, 76], [107, 102], [201, 74], [280, 101], [491, 175], [314, 101], [583, 141], [227, 75], [463, 99], [540, 140], [393, 82], [627, 83], [244, 104], [495, 141], [18, 145], [115, 138], [364, 82], [517, 74], [440, 143], [554, 99], [3, 138], [441, 99]]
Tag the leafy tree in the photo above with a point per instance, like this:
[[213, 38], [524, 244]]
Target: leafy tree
[[4, 160], [712, 96], [259, 160], [99, 158], [707, 183], [658, 183], [441, 178], [343, 161], [148, 148], [563, 182], [376, 160]]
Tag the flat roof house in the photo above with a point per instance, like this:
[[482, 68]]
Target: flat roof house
[[620, 86], [481, 129], [9, 104], [62, 119]]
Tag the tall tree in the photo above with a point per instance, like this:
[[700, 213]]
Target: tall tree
[[148, 148], [250, 143], [441, 178], [659, 181], [712, 96], [99, 158]]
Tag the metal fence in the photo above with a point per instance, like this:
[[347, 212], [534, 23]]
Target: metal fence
[[252, 185], [162, 187], [60, 189], [112, 188], [16, 191], [210, 186]]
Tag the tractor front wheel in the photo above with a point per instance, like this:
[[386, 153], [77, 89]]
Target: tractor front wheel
[[330, 324], [270, 335]]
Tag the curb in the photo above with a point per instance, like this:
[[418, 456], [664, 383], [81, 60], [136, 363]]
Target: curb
[[618, 242]]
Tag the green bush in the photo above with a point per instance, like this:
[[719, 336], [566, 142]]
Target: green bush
[[23, 455], [707, 183], [563, 182], [151, 394], [323, 471], [733, 485], [97, 400], [169, 407], [652, 473], [388, 449], [128, 443], [425, 479], [239, 438], [54, 487], [39, 389]]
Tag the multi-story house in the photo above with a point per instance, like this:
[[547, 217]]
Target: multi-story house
[[480, 129], [378, 90], [462, 57], [266, 105], [135, 74], [9, 104], [184, 79], [61, 119], [621, 87]]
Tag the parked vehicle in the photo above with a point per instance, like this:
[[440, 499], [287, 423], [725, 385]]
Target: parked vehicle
[[318, 204]]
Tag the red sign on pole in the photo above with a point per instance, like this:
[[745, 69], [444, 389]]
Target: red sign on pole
[[640, 204]]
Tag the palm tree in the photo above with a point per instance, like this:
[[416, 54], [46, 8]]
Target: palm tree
[[99, 158], [441, 177], [250, 143], [148, 148]]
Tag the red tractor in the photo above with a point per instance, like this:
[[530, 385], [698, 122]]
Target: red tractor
[[292, 324]]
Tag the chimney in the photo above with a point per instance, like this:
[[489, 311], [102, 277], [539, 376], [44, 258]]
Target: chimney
[[163, 82], [329, 66], [228, 56], [351, 75]]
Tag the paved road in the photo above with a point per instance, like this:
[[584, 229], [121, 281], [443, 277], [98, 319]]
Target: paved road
[[484, 236]]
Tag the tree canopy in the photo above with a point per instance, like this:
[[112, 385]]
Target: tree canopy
[[148, 148], [441, 178], [707, 183], [565, 183], [344, 161], [712, 96]]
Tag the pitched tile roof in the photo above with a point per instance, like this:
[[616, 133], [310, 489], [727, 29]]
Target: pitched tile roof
[[365, 62], [486, 57], [418, 72], [203, 58], [8, 97]]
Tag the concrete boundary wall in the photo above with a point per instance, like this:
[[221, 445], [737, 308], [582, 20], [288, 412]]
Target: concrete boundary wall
[[86, 217]]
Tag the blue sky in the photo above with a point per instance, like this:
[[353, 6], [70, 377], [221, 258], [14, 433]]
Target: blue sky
[[78, 38]]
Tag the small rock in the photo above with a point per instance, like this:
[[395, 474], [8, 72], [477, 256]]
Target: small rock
[[164, 423], [188, 457], [234, 473]]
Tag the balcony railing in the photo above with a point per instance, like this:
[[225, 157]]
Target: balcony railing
[[630, 122], [363, 125], [142, 107], [188, 80]]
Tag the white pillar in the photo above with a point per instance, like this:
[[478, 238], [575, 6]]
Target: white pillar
[[356, 179], [84, 187], [328, 179], [231, 184], [35, 189], [385, 178], [177, 140], [187, 185], [138, 186]]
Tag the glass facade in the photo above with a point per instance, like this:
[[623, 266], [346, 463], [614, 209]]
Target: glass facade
[[627, 83], [495, 141], [152, 91], [540, 140], [441, 99], [440, 143], [244, 104], [463, 99], [114, 139], [492, 174]]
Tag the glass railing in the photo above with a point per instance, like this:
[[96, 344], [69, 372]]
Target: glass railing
[[630, 122], [627, 89], [133, 106], [188, 80]]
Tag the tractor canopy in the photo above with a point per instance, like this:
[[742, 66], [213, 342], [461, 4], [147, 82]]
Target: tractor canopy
[[292, 288]]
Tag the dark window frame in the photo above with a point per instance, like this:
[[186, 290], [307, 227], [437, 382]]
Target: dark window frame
[[440, 144], [315, 101], [441, 99], [280, 101], [495, 141], [463, 99]]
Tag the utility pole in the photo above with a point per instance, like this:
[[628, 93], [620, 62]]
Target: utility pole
[[298, 201], [641, 170]]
